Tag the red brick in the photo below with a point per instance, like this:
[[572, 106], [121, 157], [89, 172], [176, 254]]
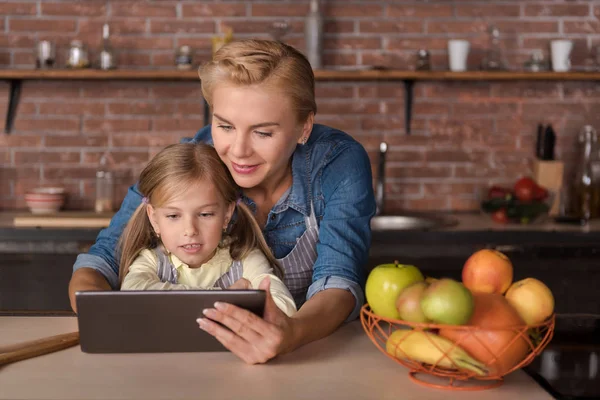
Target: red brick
[[176, 91], [343, 123], [15, 41], [188, 125], [20, 172], [581, 91], [141, 108], [143, 9], [214, 10], [404, 156], [440, 204], [115, 90], [390, 90], [487, 10], [463, 27], [146, 140], [126, 26], [191, 109], [194, 43], [182, 27], [459, 129], [46, 157], [142, 43], [25, 108], [512, 27], [531, 89], [255, 27], [15, 140], [556, 10], [382, 122], [74, 8], [389, 60], [404, 189], [446, 189], [488, 108], [420, 11], [384, 27], [45, 25], [339, 59], [24, 58], [325, 90], [56, 89], [18, 8], [134, 59], [75, 141], [72, 108], [278, 10], [47, 124], [353, 10], [129, 157], [61, 173], [456, 156], [463, 204], [347, 107], [5, 158], [421, 107], [337, 26], [413, 44], [116, 125], [458, 90], [351, 43]]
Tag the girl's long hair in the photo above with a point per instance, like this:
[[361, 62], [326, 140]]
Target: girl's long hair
[[172, 171]]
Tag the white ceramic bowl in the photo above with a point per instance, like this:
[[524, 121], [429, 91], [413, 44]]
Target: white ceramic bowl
[[45, 200]]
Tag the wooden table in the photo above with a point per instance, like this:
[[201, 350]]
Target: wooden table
[[345, 365]]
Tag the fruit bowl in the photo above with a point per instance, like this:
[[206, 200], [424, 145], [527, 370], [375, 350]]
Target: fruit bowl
[[450, 366]]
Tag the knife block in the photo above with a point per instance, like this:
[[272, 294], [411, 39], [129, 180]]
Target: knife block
[[549, 174]]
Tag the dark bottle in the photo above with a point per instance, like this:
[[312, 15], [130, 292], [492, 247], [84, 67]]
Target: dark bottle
[[586, 185]]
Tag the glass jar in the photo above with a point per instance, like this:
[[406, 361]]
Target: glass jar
[[104, 188], [78, 55], [183, 58], [586, 185]]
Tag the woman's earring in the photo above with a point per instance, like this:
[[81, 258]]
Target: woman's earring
[[304, 140]]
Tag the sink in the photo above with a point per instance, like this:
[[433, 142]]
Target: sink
[[410, 222]]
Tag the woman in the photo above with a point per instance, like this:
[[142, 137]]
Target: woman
[[309, 186]]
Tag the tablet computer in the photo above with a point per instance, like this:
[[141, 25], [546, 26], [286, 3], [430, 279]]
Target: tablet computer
[[151, 321]]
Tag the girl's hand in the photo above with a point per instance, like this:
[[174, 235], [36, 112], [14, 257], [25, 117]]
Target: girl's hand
[[240, 284], [253, 339]]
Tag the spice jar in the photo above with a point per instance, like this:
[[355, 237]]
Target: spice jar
[[183, 58], [78, 55], [423, 60]]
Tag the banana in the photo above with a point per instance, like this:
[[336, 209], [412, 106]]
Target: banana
[[432, 349]]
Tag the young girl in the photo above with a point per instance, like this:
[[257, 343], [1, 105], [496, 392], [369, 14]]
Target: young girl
[[181, 237]]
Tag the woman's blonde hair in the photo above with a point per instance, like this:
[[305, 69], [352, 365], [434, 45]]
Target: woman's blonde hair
[[172, 171], [265, 62]]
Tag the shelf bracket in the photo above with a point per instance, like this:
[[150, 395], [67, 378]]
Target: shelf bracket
[[408, 100], [13, 102], [206, 112]]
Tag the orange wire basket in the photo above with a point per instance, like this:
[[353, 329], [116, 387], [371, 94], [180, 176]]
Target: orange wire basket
[[445, 373]]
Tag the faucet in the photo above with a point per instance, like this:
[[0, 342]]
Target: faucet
[[380, 188]]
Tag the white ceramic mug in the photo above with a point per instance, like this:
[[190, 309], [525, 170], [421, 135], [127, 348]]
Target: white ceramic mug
[[458, 52], [561, 55]]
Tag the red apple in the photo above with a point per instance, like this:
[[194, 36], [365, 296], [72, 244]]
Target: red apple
[[487, 271]]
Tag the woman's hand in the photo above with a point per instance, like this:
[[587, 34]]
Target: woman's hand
[[253, 339]]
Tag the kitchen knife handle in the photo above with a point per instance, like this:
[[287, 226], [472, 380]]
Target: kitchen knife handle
[[34, 348]]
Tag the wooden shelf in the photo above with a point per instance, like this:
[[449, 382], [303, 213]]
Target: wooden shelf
[[320, 75], [16, 76]]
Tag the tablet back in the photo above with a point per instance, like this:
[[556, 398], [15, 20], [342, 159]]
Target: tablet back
[[153, 321]]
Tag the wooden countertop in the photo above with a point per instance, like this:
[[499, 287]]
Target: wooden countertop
[[345, 365]]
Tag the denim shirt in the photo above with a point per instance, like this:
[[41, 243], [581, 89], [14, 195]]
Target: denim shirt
[[333, 172]]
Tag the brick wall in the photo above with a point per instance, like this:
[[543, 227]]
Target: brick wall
[[466, 135]]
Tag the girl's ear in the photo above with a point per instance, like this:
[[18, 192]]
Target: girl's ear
[[228, 214], [306, 129], [151, 212]]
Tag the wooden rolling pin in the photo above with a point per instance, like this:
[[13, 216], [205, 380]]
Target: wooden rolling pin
[[34, 348]]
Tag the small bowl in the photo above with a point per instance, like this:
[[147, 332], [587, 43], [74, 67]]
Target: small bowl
[[46, 200], [524, 213]]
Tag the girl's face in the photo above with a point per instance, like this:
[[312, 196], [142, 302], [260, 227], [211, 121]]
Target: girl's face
[[191, 224], [255, 132]]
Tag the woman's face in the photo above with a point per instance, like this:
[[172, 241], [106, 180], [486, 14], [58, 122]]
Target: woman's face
[[255, 132]]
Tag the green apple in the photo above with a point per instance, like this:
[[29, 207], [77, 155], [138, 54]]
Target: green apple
[[447, 301], [384, 284]]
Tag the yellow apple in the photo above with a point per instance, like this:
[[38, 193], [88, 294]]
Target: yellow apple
[[532, 299]]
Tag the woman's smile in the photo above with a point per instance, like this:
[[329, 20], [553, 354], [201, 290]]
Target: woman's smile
[[244, 169]]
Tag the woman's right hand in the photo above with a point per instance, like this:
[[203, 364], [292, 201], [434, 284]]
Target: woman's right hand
[[240, 284]]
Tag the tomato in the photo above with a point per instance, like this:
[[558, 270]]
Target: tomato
[[500, 216], [497, 192], [524, 189], [540, 193]]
